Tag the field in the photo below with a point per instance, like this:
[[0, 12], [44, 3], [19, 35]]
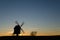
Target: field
[[30, 38]]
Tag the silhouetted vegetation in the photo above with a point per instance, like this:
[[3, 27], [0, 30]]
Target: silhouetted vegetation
[[33, 33]]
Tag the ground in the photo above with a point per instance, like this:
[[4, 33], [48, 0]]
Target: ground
[[30, 38]]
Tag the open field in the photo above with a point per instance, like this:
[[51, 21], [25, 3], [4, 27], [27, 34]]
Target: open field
[[30, 38]]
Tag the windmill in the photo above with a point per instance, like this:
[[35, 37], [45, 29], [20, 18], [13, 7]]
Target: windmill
[[18, 29]]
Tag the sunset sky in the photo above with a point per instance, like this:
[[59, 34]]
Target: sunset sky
[[42, 16]]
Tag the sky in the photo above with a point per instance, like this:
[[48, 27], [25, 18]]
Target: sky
[[42, 16]]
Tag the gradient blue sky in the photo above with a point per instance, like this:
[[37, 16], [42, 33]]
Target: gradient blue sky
[[42, 16]]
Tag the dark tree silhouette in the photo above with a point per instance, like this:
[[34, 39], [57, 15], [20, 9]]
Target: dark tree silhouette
[[33, 33]]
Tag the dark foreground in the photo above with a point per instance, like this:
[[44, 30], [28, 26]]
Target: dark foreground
[[30, 38]]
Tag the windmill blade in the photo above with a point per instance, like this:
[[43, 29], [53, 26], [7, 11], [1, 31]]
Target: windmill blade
[[17, 22], [22, 30], [22, 24]]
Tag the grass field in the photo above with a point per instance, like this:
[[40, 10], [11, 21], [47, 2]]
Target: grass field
[[29, 37]]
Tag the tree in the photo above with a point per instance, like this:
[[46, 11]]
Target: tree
[[33, 33]]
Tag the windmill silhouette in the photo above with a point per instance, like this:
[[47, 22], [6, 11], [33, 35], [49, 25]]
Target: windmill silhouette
[[18, 29]]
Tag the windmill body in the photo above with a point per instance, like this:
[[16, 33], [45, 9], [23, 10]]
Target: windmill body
[[17, 29]]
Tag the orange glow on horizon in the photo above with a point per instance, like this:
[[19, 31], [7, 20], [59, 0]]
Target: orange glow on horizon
[[28, 33]]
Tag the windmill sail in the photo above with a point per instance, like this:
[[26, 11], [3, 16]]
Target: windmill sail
[[22, 24]]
